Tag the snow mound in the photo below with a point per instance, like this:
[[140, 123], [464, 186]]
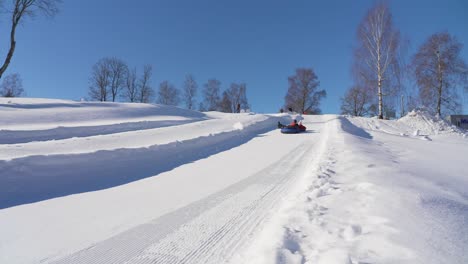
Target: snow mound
[[424, 123], [238, 126]]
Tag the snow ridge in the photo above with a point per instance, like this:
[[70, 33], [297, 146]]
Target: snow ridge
[[67, 173]]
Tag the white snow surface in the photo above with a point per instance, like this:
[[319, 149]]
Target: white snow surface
[[88, 182]]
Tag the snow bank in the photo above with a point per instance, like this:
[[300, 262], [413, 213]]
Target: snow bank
[[66, 161], [425, 123], [416, 124], [375, 196], [41, 114]]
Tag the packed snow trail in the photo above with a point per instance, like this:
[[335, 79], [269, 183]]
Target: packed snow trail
[[375, 197], [45, 170], [208, 231], [237, 189], [137, 139], [228, 188]]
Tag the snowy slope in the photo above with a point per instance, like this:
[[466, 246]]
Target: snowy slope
[[416, 124], [133, 183], [378, 196], [41, 114], [80, 164]]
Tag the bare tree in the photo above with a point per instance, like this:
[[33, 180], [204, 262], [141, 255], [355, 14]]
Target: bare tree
[[131, 91], [108, 76], [225, 103], [302, 93], [362, 91], [439, 70], [356, 102], [234, 98], [118, 71], [378, 49], [244, 102], [412, 102], [99, 81], [12, 86], [144, 88], [201, 107], [240, 98], [22, 8], [168, 94], [211, 97], [190, 91]]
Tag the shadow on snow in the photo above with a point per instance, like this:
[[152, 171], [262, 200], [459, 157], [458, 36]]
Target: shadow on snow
[[350, 128], [15, 137], [37, 178]]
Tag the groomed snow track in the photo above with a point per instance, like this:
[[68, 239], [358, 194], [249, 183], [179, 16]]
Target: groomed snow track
[[212, 229]]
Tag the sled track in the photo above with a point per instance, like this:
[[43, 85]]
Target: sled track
[[208, 231]]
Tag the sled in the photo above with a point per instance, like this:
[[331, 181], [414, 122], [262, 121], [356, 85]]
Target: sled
[[291, 129]]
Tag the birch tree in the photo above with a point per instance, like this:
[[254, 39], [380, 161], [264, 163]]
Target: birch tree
[[378, 49], [190, 91]]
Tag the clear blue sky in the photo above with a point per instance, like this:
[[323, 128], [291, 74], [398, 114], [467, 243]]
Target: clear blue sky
[[257, 42]]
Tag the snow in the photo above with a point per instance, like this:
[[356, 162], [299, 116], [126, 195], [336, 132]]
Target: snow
[[42, 114], [86, 182]]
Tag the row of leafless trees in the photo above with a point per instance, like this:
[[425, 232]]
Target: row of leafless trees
[[112, 79], [303, 95], [232, 100], [379, 70]]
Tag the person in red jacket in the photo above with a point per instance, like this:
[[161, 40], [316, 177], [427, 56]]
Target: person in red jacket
[[302, 127], [293, 123]]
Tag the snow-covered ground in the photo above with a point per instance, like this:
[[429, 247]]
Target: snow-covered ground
[[133, 183]]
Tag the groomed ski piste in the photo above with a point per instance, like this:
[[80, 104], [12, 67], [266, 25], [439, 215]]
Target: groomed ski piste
[[89, 182]]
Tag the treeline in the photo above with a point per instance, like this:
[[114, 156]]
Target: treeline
[[382, 78], [111, 79]]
